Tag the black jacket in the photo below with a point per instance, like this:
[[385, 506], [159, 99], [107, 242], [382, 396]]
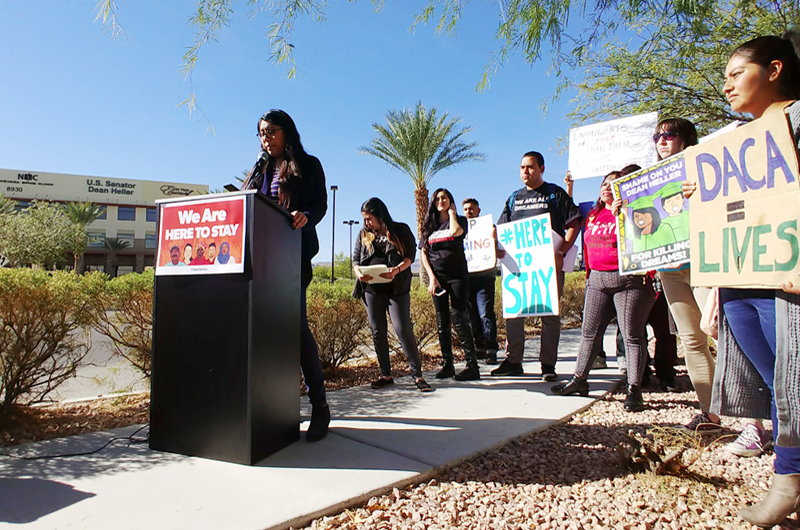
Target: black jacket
[[402, 282]]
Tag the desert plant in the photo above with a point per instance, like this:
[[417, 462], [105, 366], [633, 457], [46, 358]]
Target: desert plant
[[338, 321], [572, 300], [40, 235], [42, 339], [423, 316], [124, 314]]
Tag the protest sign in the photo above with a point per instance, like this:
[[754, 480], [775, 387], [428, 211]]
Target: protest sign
[[202, 236], [653, 224], [595, 150], [530, 286], [479, 244], [745, 212]]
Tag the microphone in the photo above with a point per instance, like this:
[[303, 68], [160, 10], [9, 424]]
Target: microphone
[[258, 168]]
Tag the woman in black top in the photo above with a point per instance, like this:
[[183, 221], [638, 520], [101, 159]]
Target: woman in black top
[[442, 244], [295, 179], [385, 242]]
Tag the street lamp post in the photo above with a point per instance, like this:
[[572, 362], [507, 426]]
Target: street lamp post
[[333, 233], [351, 222]]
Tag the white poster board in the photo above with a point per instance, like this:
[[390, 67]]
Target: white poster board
[[595, 150], [530, 284], [479, 246]]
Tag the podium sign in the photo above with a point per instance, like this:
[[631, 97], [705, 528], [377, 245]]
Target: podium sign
[[201, 236]]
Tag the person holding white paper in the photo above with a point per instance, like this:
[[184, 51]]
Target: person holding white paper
[[382, 241]]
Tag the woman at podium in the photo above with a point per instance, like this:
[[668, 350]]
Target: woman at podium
[[295, 179]]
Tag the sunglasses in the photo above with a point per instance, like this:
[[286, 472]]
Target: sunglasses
[[667, 135]]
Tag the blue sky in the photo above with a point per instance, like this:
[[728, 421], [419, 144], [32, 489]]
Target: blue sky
[[75, 101]]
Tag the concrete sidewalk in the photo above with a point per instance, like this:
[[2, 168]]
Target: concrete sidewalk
[[378, 440]]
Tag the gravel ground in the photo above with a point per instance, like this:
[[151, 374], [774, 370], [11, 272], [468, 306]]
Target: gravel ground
[[570, 476]]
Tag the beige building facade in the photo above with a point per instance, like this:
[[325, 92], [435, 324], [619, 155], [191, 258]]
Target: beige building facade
[[130, 213]]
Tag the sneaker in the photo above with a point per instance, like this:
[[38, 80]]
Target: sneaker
[[749, 443], [599, 362], [508, 368], [382, 383], [702, 424], [549, 373], [423, 385]]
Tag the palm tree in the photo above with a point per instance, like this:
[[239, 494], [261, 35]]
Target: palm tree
[[83, 214], [420, 144], [114, 246]]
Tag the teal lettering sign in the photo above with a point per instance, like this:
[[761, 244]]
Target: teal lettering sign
[[529, 277]]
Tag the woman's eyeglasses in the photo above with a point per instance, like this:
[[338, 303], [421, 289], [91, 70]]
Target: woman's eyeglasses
[[667, 135], [268, 133]]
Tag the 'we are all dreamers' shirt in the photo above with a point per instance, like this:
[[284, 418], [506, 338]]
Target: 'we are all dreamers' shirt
[[546, 198]]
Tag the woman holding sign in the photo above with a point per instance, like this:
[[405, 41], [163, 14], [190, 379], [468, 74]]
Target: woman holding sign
[[606, 292], [295, 179], [382, 241], [442, 245], [759, 327]]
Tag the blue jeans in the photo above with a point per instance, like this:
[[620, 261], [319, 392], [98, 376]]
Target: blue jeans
[[481, 311], [751, 316]]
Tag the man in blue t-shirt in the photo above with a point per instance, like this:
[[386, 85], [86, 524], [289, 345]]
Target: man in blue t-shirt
[[538, 197]]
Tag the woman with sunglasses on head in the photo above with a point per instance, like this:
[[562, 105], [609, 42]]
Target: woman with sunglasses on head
[[757, 370], [608, 294], [296, 181], [442, 246], [383, 241]]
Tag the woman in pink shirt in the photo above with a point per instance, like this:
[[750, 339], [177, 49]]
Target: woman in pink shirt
[[607, 294]]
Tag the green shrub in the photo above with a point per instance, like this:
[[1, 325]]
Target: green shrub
[[338, 322], [42, 339], [423, 318], [572, 301], [124, 314]]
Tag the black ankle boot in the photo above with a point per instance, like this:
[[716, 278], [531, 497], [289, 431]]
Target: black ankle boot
[[320, 419], [470, 373], [634, 401], [448, 370], [578, 385]]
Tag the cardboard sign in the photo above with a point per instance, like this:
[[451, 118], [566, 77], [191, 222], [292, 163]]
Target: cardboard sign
[[653, 224], [744, 214], [479, 247], [530, 285], [595, 150], [205, 236]]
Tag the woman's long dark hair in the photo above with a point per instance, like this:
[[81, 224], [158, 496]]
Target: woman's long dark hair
[[432, 215], [786, 49], [682, 127], [377, 209], [600, 204], [291, 167]]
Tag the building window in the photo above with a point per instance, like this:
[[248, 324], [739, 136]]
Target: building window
[[126, 237], [97, 239], [126, 213], [21, 205], [103, 213], [150, 241], [152, 215]]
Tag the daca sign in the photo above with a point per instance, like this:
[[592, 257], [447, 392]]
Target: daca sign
[[744, 214]]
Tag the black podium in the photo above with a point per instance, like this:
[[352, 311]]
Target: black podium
[[225, 380]]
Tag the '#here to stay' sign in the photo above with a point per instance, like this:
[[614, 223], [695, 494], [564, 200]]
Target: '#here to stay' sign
[[530, 284], [744, 214]]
